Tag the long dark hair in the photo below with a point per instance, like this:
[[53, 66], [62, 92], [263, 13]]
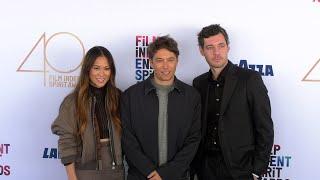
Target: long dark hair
[[82, 89]]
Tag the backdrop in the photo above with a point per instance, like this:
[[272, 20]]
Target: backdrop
[[42, 43]]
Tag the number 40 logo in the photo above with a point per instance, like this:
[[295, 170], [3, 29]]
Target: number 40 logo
[[46, 43], [306, 78]]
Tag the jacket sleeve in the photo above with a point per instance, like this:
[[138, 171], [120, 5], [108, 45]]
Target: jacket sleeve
[[195, 166], [263, 126], [181, 162], [65, 127], [130, 144]]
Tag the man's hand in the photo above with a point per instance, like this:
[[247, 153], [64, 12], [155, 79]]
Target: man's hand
[[255, 177], [154, 176]]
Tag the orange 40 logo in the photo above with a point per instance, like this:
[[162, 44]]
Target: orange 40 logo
[[313, 70], [61, 53]]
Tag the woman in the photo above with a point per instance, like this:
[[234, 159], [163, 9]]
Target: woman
[[88, 124]]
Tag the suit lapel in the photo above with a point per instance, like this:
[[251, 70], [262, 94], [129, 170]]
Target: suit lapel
[[205, 90], [229, 86]]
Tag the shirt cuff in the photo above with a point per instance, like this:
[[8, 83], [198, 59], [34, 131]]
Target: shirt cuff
[[255, 175]]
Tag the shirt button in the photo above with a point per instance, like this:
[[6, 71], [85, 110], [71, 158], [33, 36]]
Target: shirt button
[[218, 114], [215, 128], [217, 99], [214, 142], [218, 84]]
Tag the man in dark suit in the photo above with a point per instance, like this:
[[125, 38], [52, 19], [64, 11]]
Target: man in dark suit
[[161, 119], [237, 129]]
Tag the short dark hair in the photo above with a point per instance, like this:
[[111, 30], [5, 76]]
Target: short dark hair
[[212, 30], [163, 42]]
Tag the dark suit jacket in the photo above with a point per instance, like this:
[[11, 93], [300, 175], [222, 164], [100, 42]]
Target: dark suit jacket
[[245, 125], [139, 115]]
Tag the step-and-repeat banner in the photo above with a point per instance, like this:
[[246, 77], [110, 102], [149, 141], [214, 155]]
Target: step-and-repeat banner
[[42, 43]]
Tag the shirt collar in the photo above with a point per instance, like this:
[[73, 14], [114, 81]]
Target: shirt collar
[[177, 85], [221, 76]]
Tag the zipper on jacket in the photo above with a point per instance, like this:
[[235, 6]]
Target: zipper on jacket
[[111, 143], [98, 162], [110, 132]]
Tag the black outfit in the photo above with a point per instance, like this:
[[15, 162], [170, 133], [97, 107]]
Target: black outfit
[[139, 114], [214, 166], [99, 95], [244, 126], [215, 91]]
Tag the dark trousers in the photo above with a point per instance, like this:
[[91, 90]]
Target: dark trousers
[[215, 168]]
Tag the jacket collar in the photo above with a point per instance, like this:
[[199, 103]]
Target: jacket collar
[[229, 86], [149, 87]]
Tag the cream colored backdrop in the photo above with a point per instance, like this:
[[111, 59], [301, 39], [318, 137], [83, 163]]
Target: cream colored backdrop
[[42, 42]]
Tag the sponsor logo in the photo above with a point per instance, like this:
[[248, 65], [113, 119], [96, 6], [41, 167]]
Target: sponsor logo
[[57, 58], [142, 64], [50, 153], [264, 70], [313, 75], [278, 163], [4, 149], [4, 168]]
